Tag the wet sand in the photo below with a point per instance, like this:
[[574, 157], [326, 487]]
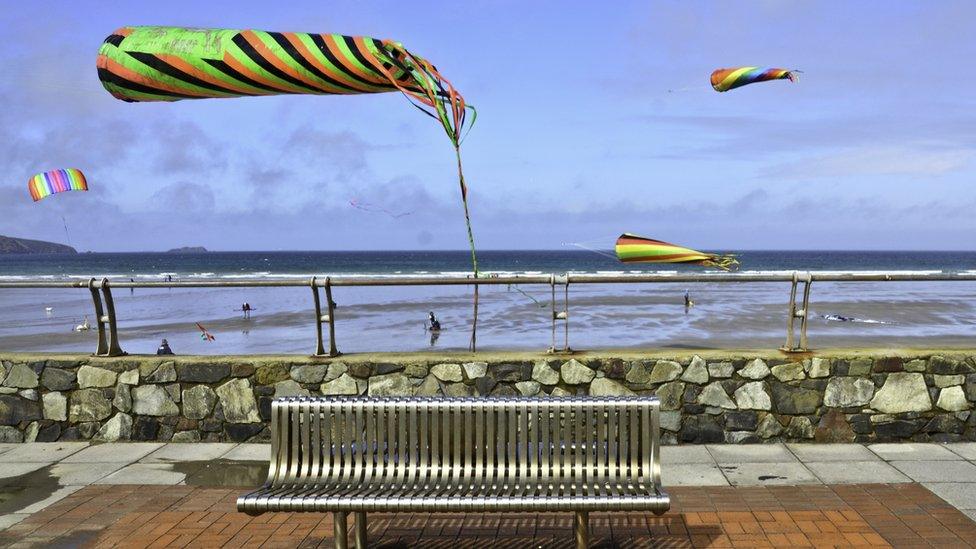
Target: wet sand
[[729, 316]]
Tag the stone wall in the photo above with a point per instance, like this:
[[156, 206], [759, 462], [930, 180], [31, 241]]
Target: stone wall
[[705, 397]]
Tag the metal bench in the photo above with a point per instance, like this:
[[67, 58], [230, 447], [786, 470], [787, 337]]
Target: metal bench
[[394, 454]]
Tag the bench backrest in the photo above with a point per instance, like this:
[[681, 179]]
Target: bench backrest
[[454, 441]]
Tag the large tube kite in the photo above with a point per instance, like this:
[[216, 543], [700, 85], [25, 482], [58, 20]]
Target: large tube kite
[[631, 248], [729, 79], [171, 63], [45, 184]]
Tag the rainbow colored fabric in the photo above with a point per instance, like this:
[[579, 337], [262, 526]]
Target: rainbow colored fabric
[[173, 63], [45, 184], [729, 79], [631, 248]]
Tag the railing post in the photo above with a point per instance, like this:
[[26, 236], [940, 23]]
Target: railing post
[[327, 318], [108, 343], [562, 314], [795, 313]]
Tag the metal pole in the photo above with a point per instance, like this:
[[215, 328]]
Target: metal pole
[[566, 310], [101, 348], [319, 348], [360, 534], [113, 332], [791, 315], [339, 527], [581, 529], [333, 351], [805, 313], [552, 284]]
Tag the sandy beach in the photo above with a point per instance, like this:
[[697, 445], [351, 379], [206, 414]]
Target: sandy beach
[[725, 316]]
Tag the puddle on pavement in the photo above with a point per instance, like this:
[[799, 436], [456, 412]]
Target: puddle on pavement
[[223, 473], [25, 490]]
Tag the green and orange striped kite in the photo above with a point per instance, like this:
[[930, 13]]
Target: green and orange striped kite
[[631, 248], [171, 63]]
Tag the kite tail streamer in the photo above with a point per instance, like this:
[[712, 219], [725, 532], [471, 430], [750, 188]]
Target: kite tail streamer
[[726, 262]]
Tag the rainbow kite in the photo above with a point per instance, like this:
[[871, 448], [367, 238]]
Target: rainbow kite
[[631, 248], [172, 63], [45, 184], [724, 80]]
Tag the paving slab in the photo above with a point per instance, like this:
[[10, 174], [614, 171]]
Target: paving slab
[[903, 451], [693, 474], [856, 472], [937, 471], [56, 496], [961, 495], [966, 450], [971, 513], [69, 474], [832, 452], [8, 520], [190, 451], [7, 446], [249, 452], [751, 453], [9, 472], [114, 452], [145, 473], [35, 452], [685, 454], [765, 474]]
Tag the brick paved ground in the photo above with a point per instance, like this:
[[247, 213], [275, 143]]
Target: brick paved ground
[[900, 515]]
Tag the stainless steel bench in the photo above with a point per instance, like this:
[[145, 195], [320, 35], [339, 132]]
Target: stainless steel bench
[[362, 455]]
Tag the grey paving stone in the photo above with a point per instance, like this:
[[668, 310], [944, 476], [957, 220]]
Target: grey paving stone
[[70, 474], [965, 449], [36, 452], [905, 451], [693, 474], [7, 446], [249, 452], [765, 474], [971, 513], [856, 472], [145, 473], [751, 453], [56, 496], [189, 451], [937, 471], [8, 520], [832, 452], [961, 495], [9, 472], [114, 452], [685, 454]]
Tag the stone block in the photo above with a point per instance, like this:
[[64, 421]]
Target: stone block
[[203, 372]]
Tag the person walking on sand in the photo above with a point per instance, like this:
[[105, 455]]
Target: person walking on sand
[[246, 307], [435, 325], [688, 302]]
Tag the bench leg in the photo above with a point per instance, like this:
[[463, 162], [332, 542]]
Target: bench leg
[[360, 525], [581, 529], [340, 525]]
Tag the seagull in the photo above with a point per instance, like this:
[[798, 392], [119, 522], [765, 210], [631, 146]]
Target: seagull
[[84, 326]]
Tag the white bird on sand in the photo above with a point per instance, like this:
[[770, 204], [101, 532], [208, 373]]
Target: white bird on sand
[[84, 326], [48, 309]]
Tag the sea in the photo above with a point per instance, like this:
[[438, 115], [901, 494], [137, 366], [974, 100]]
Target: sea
[[737, 316]]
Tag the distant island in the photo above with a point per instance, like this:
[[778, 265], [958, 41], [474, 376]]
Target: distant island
[[188, 250], [11, 245]]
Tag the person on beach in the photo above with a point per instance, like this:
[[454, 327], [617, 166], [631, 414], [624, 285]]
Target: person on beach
[[132, 290], [435, 325], [164, 348], [246, 307], [688, 302]]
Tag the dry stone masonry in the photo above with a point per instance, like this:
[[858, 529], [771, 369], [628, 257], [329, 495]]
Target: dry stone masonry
[[718, 397]]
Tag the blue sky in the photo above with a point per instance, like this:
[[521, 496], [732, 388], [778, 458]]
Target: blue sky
[[578, 137]]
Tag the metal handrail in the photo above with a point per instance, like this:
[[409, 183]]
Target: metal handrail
[[108, 342]]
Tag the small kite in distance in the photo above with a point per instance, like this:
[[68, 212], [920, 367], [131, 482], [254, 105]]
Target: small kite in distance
[[724, 80], [631, 248]]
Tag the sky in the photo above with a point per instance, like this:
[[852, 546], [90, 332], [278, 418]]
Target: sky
[[593, 119]]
